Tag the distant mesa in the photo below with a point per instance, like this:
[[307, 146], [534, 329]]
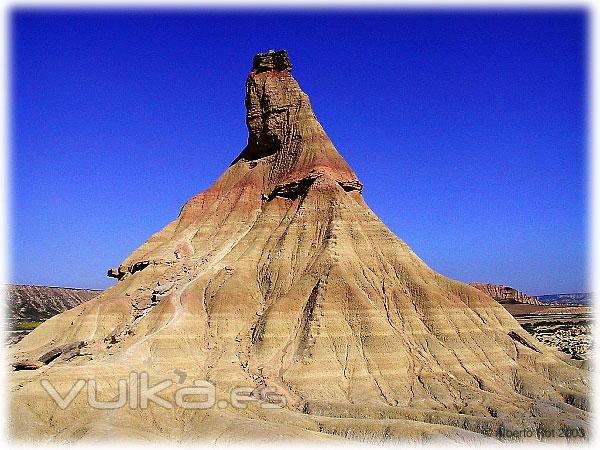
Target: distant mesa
[[505, 294]]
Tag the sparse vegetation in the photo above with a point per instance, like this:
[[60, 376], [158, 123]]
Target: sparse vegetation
[[27, 325]]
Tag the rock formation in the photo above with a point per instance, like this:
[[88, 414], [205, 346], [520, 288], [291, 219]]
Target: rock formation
[[505, 294], [280, 277]]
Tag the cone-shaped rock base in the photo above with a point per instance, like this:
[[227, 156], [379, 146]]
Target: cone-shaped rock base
[[280, 279]]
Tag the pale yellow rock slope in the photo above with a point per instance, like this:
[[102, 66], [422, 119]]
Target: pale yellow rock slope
[[280, 275]]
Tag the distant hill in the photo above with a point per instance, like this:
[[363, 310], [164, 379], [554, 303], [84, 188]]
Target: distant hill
[[505, 294], [578, 298], [28, 306], [39, 303]]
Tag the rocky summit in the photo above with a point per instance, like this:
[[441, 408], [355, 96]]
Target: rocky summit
[[280, 281]]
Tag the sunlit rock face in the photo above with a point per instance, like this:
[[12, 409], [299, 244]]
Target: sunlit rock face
[[280, 276], [505, 294]]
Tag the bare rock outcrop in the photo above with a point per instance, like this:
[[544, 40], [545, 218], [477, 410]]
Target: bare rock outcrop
[[293, 284], [505, 294]]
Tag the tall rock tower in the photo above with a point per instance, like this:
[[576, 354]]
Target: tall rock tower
[[280, 278]]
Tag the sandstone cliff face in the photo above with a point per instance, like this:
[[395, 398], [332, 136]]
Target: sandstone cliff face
[[505, 294], [280, 276]]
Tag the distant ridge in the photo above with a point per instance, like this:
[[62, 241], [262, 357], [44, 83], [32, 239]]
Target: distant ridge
[[576, 298], [9, 285], [505, 294], [38, 303]]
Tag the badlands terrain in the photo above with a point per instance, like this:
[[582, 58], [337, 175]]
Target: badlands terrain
[[564, 326], [28, 306], [279, 279], [562, 321]]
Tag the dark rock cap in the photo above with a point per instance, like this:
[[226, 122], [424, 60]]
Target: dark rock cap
[[271, 60]]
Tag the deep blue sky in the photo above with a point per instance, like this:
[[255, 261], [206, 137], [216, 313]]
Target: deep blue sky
[[468, 131]]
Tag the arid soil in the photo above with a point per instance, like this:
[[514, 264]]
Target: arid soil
[[566, 328], [563, 326], [280, 279]]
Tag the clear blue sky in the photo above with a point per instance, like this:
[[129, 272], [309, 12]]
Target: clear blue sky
[[468, 131]]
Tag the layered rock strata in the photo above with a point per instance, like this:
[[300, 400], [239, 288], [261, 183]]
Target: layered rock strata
[[280, 277]]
